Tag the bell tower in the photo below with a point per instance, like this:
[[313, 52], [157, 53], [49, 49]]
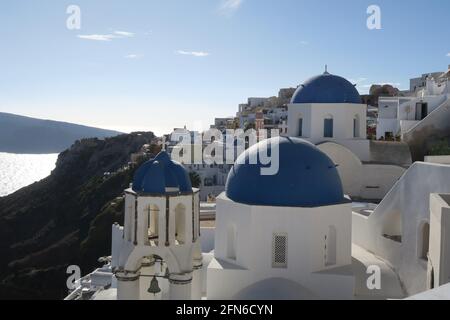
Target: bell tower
[[157, 254]]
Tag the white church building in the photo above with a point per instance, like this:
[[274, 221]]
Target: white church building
[[286, 236], [327, 110]]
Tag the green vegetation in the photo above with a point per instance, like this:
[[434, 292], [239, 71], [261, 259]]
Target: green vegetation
[[195, 179], [440, 148]]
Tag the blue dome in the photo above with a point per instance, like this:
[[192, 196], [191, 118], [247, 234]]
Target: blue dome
[[156, 175], [326, 88], [306, 177]]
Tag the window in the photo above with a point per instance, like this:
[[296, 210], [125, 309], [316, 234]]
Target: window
[[300, 127], [389, 136], [231, 243], [180, 224], [356, 126], [279, 250], [330, 246], [421, 110], [328, 128], [153, 223], [424, 241]]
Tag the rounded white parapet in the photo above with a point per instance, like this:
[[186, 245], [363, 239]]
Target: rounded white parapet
[[197, 283], [180, 286], [128, 286]]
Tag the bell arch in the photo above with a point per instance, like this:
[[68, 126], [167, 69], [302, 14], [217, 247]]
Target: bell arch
[[180, 224]]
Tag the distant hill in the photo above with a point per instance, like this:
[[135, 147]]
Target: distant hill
[[19, 134]]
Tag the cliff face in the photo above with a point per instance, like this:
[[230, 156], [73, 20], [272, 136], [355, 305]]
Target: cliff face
[[64, 219]]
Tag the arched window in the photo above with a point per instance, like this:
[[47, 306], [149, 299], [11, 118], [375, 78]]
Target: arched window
[[328, 127], [331, 246], [153, 223], [300, 127], [128, 220], [231, 242], [180, 224], [356, 125], [424, 241]]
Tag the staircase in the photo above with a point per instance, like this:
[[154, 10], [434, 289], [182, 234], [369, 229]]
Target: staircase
[[431, 129]]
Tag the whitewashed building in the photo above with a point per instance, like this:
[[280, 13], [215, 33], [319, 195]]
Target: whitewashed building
[[398, 115], [327, 110], [286, 236]]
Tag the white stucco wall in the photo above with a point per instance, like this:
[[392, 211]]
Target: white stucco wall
[[438, 159], [404, 210], [378, 179], [439, 262], [366, 181], [441, 293], [305, 228], [387, 125], [387, 108], [313, 120], [207, 239]]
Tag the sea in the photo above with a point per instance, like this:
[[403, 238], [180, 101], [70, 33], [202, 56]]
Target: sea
[[20, 170]]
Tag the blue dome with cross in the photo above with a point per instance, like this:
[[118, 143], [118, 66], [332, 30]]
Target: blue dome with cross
[[161, 174], [326, 88]]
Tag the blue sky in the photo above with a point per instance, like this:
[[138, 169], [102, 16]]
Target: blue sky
[[160, 64]]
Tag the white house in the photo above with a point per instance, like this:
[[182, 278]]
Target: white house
[[398, 115]]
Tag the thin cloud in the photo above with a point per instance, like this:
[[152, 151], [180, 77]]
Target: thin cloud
[[193, 53], [134, 56], [358, 80], [304, 43], [96, 37], [448, 54], [124, 34], [107, 37], [230, 6]]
